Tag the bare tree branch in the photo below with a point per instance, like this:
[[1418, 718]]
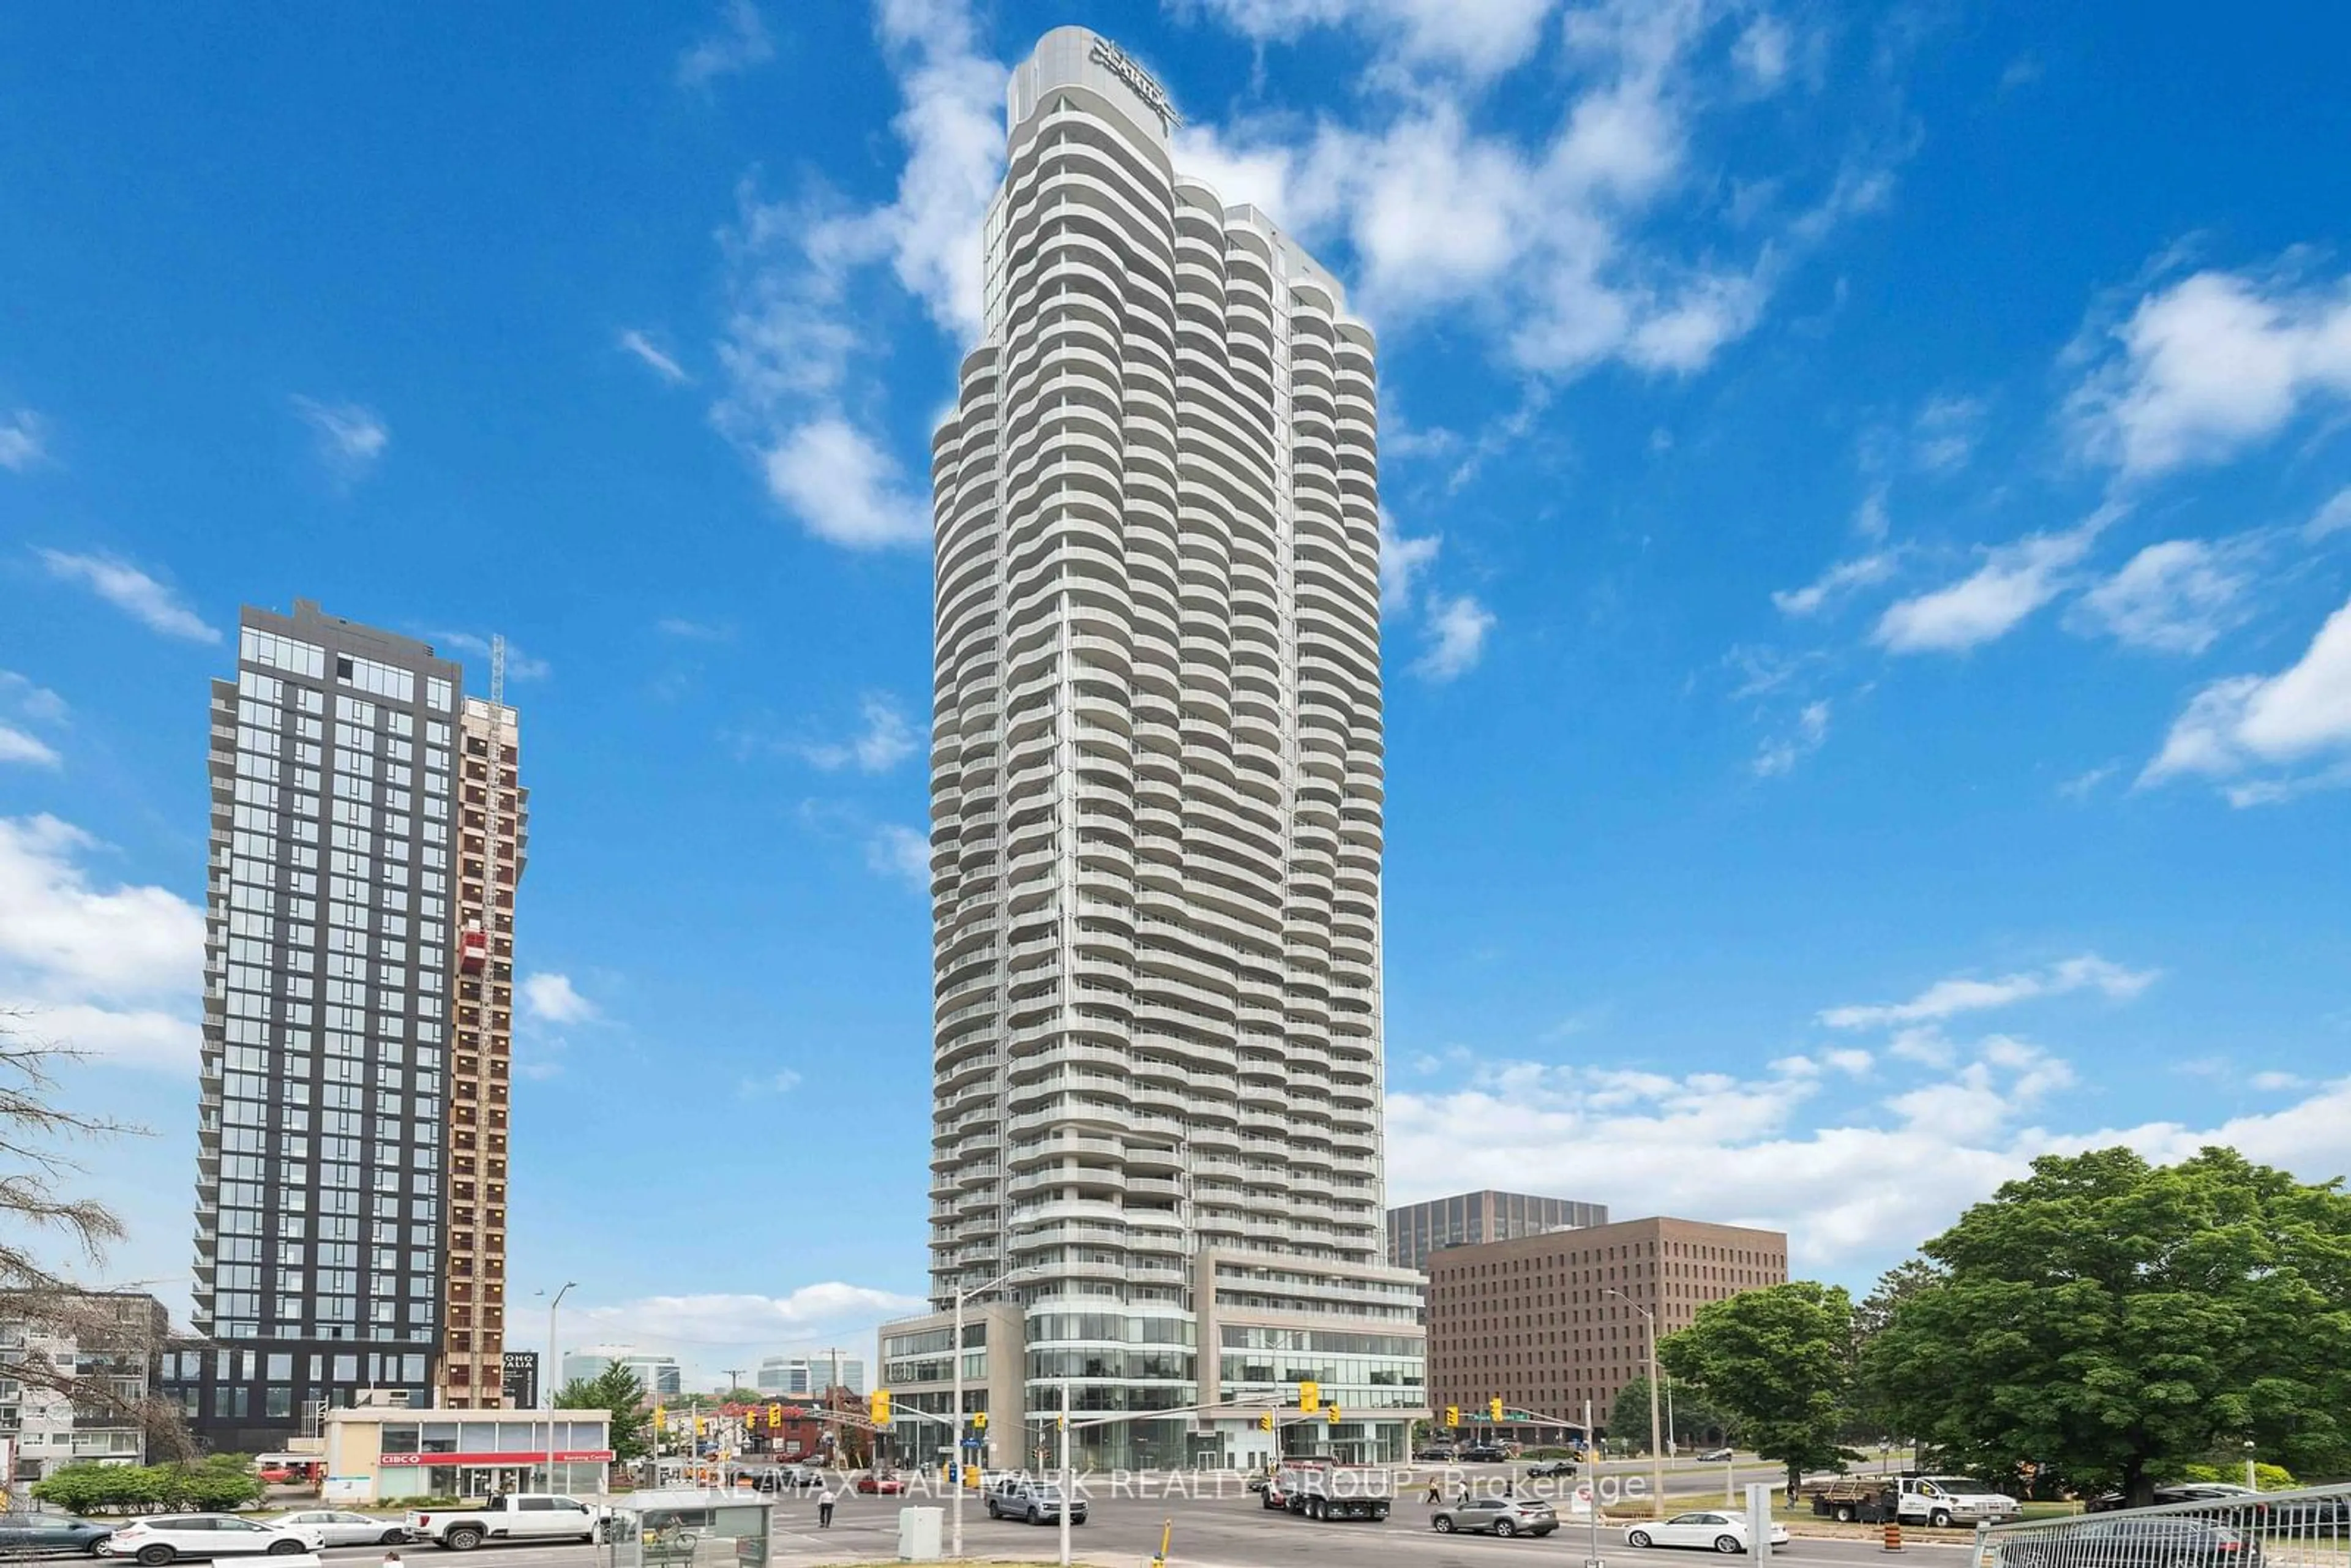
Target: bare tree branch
[[115, 1335]]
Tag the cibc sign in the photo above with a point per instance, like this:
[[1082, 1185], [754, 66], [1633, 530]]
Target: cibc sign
[[1146, 87]]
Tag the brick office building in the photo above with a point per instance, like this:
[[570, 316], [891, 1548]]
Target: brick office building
[[1546, 1322]]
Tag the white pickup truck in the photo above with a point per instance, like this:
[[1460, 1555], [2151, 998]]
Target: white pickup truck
[[1942, 1500], [517, 1516]]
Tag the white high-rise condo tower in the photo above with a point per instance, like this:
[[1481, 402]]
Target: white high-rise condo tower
[[1156, 797]]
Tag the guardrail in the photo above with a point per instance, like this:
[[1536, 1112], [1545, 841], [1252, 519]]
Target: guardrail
[[2307, 1528]]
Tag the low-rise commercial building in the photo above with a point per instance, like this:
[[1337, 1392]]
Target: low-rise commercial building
[[1547, 1322], [376, 1453], [1417, 1229]]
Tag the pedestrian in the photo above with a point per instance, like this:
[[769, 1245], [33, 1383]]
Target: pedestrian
[[824, 1501], [1435, 1490]]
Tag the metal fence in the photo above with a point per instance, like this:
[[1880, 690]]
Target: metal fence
[[2309, 1528]]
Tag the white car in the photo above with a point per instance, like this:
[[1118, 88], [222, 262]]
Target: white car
[[1709, 1527], [340, 1527], [170, 1536]]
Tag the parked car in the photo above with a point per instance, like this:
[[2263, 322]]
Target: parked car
[[1483, 1453], [340, 1527], [170, 1536], [1495, 1516], [1561, 1470], [872, 1485], [1036, 1503], [1708, 1528], [2120, 1540], [1717, 1456], [2182, 1491], [45, 1534], [275, 1475], [1436, 1453]]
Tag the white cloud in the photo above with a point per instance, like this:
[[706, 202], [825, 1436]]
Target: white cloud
[[1780, 755], [2177, 597], [2333, 517], [552, 998], [901, 853], [1402, 562], [2014, 580], [690, 1326], [1855, 1183], [15, 745], [2082, 785], [98, 969], [740, 43], [687, 630], [1762, 51], [2278, 1083], [1948, 998], [520, 667], [1862, 571], [781, 1081], [2212, 364], [1711, 1143], [886, 741], [1869, 519], [1458, 627], [1944, 436], [1545, 243], [845, 487], [31, 699], [351, 437], [650, 355], [23, 440], [1479, 37], [2256, 728], [131, 590]]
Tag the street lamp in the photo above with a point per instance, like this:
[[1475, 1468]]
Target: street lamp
[[954, 1355], [547, 1379], [1656, 1438]]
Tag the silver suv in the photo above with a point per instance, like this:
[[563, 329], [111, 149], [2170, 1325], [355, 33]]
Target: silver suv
[[1496, 1516], [1033, 1502]]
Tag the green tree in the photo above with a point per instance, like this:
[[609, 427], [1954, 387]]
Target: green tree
[[1689, 1418], [1871, 1420], [615, 1389], [1780, 1360], [222, 1482], [2116, 1319]]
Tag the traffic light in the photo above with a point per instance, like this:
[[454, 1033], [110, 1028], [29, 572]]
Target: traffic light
[[701, 1425], [877, 1405], [661, 1419], [1453, 1415], [1494, 1410], [1310, 1397], [1332, 1412], [774, 1415], [1265, 1422], [979, 1420]]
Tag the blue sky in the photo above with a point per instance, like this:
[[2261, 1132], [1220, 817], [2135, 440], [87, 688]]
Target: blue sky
[[1868, 615]]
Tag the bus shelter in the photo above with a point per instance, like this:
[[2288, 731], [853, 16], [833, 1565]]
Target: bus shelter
[[688, 1529]]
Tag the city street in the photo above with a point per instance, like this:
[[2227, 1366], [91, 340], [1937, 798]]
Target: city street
[[1228, 1531]]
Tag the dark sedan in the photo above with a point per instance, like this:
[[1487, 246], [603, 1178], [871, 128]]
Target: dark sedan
[[34, 1535]]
